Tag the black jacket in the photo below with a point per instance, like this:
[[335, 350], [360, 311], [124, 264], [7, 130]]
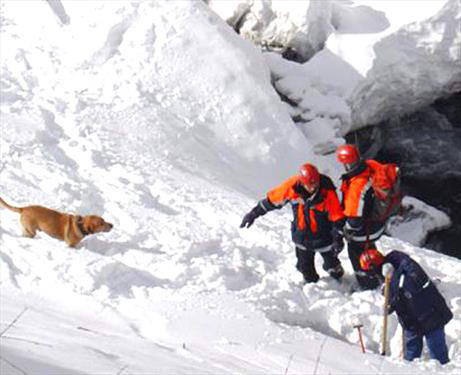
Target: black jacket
[[413, 296]]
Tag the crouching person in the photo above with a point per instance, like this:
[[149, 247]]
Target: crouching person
[[421, 309], [317, 219]]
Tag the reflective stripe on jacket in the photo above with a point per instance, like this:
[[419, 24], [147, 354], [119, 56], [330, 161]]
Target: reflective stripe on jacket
[[354, 189], [413, 296], [313, 216], [357, 202]]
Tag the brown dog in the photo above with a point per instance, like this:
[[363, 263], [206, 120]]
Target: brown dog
[[69, 228]]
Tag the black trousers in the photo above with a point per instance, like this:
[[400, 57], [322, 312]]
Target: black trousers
[[306, 264], [367, 280]]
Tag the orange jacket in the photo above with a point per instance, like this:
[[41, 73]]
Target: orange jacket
[[313, 216], [357, 202], [354, 189]]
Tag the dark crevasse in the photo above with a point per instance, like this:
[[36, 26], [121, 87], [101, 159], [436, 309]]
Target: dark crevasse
[[427, 146], [446, 196]]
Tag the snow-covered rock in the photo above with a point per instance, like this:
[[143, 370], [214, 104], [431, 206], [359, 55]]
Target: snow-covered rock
[[302, 26], [413, 67], [366, 22], [416, 221], [299, 28], [317, 102]]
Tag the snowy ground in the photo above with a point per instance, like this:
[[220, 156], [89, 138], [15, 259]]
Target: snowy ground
[[162, 120]]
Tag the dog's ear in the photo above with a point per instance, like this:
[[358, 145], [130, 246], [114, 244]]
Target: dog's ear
[[96, 224], [84, 224], [80, 223]]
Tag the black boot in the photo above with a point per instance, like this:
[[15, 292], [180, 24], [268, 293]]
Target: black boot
[[336, 272], [332, 265], [367, 281], [308, 279], [306, 266]]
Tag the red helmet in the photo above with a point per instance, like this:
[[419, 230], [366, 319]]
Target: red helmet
[[371, 258], [309, 176], [347, 154]]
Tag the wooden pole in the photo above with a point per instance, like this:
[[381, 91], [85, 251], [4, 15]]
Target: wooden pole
[[387, 282]]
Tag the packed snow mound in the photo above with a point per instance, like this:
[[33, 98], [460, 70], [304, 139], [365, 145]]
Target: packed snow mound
[[301, 26], [416, 221], [422, 61]]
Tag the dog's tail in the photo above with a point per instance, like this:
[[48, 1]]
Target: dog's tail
[[6, 205]]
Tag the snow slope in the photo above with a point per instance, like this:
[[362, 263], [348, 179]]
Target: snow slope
[[158, 117], [166, 76]]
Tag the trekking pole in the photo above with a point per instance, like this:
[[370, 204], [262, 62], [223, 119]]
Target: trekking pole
[[359, 326], [387, 282]]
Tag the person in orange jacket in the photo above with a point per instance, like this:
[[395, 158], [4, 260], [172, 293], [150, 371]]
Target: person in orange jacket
[[318, 217], [360, 230]]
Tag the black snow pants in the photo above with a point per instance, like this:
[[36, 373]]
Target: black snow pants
[[306, 265]]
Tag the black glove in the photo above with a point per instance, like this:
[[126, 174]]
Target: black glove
[[338, 245], [251, 216], [337, 233], [302, 192], [248, 220], [354, 225]]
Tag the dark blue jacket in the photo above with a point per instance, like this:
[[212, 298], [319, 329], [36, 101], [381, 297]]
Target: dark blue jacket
[[419, 305]]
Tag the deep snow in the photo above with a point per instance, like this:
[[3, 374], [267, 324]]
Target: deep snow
[[157, 116]]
